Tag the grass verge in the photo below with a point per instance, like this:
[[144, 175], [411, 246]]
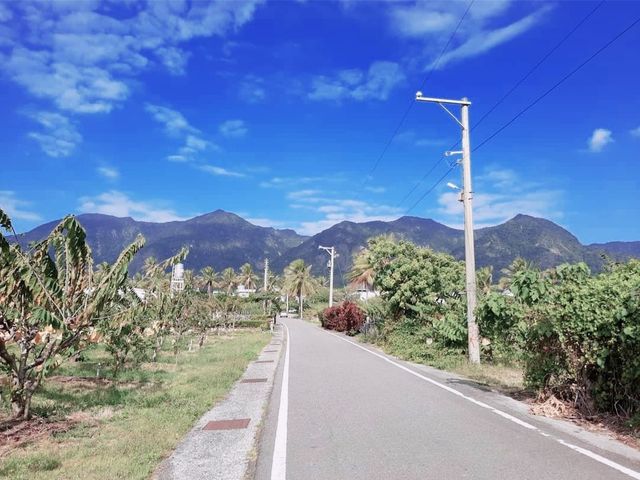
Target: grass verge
[[123, 429]]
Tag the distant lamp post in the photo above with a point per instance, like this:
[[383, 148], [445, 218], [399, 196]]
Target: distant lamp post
[[332, 253]]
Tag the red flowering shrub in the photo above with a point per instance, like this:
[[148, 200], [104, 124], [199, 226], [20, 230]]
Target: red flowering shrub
[[346, 317]]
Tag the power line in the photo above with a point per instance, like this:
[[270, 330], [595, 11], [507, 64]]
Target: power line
[[410, 106], [431, 189], [556, 85], [537, 100], [535, 67], [507, 94]]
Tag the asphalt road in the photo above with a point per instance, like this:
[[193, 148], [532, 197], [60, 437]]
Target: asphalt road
[[352, 413]]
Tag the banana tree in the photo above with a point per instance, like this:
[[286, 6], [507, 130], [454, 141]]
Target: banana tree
[[51, 303]]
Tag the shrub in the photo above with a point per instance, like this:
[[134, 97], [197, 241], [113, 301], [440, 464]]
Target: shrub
[[577, 334], [346, 317]]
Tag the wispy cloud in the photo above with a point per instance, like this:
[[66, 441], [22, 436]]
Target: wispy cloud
[[376, 83], [82, 58], [219, 171], [635, 132], [177, 126], [120, 204], [233, 129], [484, 41], [430, 22], [334, 209], [110, 173], [251, 89], [501, 194], [600, 138], [298, 182], [16, 208], [173, 121], [58, 137]]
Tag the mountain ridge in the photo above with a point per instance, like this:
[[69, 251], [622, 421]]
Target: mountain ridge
[[223, 239]]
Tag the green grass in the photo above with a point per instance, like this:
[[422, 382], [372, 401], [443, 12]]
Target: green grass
[[507, 378], [126, 428]]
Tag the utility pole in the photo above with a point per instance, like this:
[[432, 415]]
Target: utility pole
[[332, 253], [266, 274], [467, 196], [264, 284]]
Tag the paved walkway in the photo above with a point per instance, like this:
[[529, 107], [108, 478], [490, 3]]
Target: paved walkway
[[208, 452], [351, 412]]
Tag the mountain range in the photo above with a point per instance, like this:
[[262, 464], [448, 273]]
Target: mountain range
[[222, 239]]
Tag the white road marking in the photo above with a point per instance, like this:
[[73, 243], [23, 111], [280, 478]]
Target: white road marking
[[279, 464], [598, 458]]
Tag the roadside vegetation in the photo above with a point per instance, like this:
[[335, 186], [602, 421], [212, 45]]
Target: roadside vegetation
[[102, 373], [569, 337]]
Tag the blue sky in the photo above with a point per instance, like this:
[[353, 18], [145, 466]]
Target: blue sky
[[278, 111]]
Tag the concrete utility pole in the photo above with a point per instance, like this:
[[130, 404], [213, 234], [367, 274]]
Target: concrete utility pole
[[264, 284], [332, 253], [266, 274], [467, 196]]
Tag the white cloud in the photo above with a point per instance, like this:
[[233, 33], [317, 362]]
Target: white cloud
[[58, 137], [501, 194], [109, 172], [600, 138], [334, 210], [81, 57], [340, 210], [251, 89], [121, 205], [431, 23], [635, 132], [233, 129], [219, 171], [377, 83], [487, 40], [15, 207], [173, 121], [296, 182], [175, 59], [176, 125]]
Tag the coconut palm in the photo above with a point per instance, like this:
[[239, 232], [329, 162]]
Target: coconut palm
[[299, 281], [362, 272], [519, 264], [228, 280], [484, 278], [208, 278], [246, 277]]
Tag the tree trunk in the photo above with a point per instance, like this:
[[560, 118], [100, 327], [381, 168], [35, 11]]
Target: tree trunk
[[21, 395], [203, 337], [300, 303]]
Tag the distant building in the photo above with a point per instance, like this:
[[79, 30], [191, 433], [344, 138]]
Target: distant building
[[243, 292], [364, 291]]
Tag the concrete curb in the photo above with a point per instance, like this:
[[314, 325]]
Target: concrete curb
[[228, 454]]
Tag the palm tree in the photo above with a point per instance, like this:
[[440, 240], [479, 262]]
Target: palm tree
[[362, 271], [150, 264], [299, 281], [228, 280], [208, 278], [519, 264], [246, 277], [484, 278]]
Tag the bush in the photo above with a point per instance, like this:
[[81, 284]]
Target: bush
[[346, 317], [578, 334]]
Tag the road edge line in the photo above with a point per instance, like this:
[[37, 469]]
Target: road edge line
[[279, 462], [588, 453]]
